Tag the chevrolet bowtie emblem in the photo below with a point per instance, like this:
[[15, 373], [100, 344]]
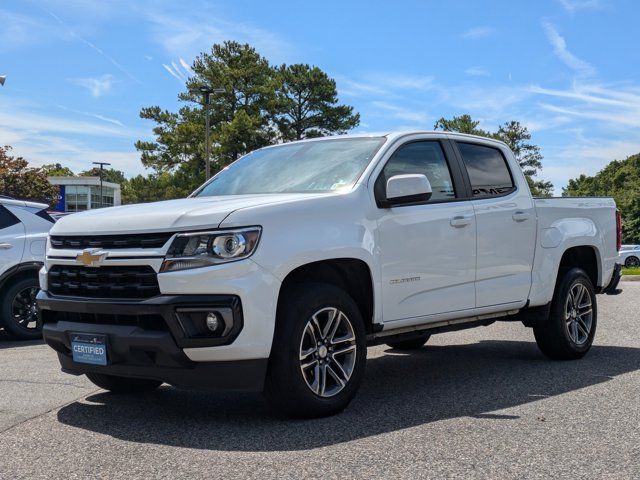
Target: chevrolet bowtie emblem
[[91, 257]]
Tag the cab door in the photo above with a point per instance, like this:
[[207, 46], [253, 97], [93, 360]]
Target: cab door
[[505, 223], [427, 251], [12, 234]]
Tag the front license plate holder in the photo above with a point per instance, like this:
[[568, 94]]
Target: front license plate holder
[[89, 348]]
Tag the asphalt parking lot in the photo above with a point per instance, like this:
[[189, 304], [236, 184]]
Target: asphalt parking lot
[[481, 403]]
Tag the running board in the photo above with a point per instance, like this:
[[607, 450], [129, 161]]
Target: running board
[[444, 325]]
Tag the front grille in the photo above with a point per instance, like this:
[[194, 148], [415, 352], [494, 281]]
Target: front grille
[[146, 322], [104, 282], [142, 240]]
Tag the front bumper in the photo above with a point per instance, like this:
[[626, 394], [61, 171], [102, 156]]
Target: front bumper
[[145, 339]]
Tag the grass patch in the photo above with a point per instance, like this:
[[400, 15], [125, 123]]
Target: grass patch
[[631, 271]]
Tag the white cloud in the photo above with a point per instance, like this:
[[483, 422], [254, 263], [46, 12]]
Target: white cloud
[[477, 72], [20, 30], [414, 116], [478, 32], [559, 45], [185, 35], [573, 5], [92, 46], [613, 107], [98, 86], [93, 115]]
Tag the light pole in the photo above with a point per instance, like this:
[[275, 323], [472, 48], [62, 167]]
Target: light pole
[[206, 92], [102, 164]]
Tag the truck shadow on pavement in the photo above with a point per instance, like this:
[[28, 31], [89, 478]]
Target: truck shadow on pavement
[[400, 391], [7, 341]]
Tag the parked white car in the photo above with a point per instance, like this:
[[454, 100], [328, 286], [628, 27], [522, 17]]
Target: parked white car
[[23, 234], [630, 256], [277, 273]]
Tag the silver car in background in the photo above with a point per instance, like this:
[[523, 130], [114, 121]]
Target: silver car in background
[[630, 255]]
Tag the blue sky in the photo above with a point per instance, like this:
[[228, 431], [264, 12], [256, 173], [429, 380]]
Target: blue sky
[[78, 71]]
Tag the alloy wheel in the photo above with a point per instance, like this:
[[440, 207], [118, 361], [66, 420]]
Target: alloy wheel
[[579, 314], [24, 309], [328, 352]]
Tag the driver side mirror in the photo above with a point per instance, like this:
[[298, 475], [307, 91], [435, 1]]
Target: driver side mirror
[[407, 189]]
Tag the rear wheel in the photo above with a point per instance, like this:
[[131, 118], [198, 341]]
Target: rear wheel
[[319, 352], [123, 384], [412, 344], [19, 310], [632, 262], [569, 331]]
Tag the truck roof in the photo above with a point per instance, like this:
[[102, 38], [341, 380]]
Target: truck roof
[[394, 135]]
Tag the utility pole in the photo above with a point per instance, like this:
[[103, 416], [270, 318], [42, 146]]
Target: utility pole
[[206, 92], [102, 164]]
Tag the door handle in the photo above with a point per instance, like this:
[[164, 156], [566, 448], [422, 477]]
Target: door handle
[[520, 216], [5, 246], [460, 221]]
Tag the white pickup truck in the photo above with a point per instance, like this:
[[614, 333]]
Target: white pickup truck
[[277, 273]]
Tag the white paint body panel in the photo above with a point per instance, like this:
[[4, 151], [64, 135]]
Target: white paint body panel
[[493, 264], [23, 242]]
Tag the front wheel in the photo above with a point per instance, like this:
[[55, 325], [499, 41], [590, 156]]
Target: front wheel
[[19, 310], [123, 384], [568, 332], [319, 352]]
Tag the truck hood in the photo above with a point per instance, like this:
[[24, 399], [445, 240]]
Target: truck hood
[[171, 215]]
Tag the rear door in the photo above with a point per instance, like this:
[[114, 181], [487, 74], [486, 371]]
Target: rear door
[[428, 250], [505, 223], [12, 234]]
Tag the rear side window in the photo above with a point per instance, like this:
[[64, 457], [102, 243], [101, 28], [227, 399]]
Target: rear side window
[[488, 170], [7, 218], [425, 157]]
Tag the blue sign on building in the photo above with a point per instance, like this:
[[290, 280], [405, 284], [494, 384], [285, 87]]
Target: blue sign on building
[[59, 207]]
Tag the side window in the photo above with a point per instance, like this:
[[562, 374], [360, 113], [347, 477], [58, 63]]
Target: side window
[[488, 170], [7, 218], [425, 157]]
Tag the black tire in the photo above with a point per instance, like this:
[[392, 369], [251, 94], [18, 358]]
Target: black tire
[[412, 344], [123, 384], [556, 335], [632, 262], [287, 389], [18, 311]]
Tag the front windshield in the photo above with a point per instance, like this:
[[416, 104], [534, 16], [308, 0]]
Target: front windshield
[[307, 167]]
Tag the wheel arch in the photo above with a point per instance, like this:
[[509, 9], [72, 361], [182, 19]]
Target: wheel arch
[[586, 257], [351, 274], [18, 272]]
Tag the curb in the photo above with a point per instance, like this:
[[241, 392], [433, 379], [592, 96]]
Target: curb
[[630, 278]]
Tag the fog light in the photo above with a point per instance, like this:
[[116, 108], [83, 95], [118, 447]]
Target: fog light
[[213, 322]]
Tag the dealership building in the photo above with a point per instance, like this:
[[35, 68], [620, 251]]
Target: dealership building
[[83, 193]]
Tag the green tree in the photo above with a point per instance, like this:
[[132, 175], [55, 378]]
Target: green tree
[[57, 170], [154, 187], [516, 136], [462, 124], [528, 155], [620, 179], [108, 175], [241, 117], [308, 104], [18, 180], [258, 107]]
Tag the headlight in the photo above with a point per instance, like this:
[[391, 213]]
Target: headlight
[[203, 249]]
